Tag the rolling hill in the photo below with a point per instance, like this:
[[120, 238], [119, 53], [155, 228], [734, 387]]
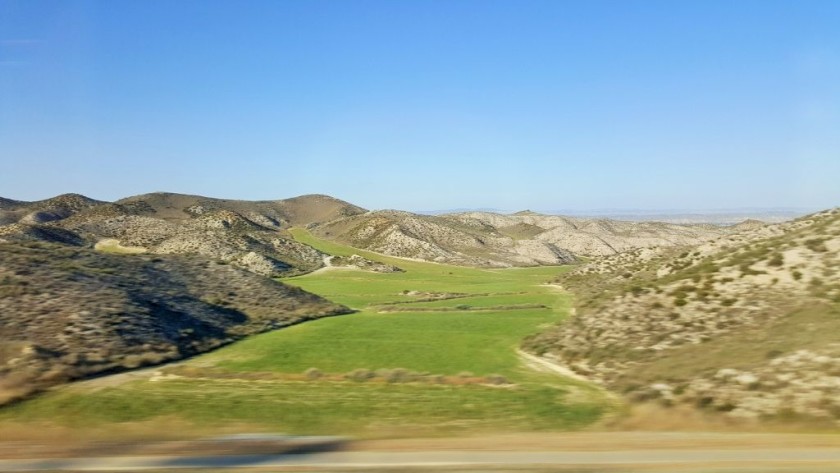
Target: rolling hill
[[254, 234], [251, 235], [43, 211], [744, 325], [69, 312], [496, 240]]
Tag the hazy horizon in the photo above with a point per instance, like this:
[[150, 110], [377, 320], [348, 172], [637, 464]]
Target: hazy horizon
[[719, 214], [426, 105]]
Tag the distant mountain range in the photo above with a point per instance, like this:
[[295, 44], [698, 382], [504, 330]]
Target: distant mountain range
[[713, 216]]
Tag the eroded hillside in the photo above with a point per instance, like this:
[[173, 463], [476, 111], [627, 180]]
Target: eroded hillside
[[744, 325], [254, 234], [68, 312], [251, 235], [489, 239]]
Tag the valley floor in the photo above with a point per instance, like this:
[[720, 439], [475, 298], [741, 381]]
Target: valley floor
[[431, 351]]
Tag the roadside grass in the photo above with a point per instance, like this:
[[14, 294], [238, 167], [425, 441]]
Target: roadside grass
[[259, 386], [359, 409]]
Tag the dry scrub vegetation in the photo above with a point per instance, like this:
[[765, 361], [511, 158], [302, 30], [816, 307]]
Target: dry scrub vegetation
[[68, 312], [251, 235], [745, 325]]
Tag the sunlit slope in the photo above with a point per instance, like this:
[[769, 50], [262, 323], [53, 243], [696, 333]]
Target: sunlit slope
[[444, 371], [745, 327]]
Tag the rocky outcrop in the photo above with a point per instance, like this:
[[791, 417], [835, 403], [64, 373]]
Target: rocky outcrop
[[440, 239], [359, 262], [251, 235], [592, 237]]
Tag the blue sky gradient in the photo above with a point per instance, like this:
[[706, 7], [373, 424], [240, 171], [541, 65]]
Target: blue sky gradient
[[424, 105]]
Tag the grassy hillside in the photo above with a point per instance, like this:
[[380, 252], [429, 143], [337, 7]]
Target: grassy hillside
[[370, 373]]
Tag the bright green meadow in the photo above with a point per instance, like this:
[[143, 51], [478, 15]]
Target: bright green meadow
[[432, 367]]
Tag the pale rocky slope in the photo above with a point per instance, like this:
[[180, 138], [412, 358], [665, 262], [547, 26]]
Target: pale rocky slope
[[496, 240], [745, 325], [252, 235], [439, 239], [591, 237]]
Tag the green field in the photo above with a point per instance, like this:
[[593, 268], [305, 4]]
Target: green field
[[431, 372]]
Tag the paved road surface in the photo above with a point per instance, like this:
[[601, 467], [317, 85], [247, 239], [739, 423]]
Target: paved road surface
[[828, 459]]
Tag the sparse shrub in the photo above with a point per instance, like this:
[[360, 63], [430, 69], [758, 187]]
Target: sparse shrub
[[398, 375], [776, 260], [313, 373], [360, 375], [816, 245], [797, 275], [726, 407], [382, 373], [656, 305], [775, 353], [680, 301], [705, 401], [747, 270], [682, 290], [728, 302]]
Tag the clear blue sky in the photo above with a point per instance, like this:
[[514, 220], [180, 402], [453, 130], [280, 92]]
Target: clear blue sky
[[426, 105]]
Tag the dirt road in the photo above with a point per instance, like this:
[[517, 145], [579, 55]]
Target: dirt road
[[637, 460]]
